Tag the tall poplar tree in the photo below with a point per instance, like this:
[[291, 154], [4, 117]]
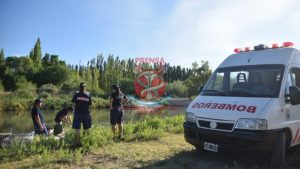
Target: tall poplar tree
[[2, 64], [36, 54]]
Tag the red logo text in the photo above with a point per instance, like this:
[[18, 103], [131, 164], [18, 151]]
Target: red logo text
[[221, 106]]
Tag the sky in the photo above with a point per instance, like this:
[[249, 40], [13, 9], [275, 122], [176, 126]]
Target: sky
[[180, 31]]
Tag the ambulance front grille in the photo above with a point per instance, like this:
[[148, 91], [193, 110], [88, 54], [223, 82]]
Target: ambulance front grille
[[227, 126]]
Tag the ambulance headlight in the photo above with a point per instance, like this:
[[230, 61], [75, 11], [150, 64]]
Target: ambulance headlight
[[252, 124], [190, 117]]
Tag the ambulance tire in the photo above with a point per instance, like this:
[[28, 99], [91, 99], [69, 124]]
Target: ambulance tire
[[278, 152], [198, 149]]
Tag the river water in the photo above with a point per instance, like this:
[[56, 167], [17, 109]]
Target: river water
[[21, 122]]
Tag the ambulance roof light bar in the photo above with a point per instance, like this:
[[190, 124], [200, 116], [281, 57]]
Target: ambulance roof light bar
[[263, 46], [287, 44]]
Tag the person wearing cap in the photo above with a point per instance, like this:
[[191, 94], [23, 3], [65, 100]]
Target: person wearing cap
[[82, 101], [117, 110], [38, 118]]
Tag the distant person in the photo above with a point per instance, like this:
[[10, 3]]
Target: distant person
[[82, 101], [117, 110], [62, 116], [38, 118]]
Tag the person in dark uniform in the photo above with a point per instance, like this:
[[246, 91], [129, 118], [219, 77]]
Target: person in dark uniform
[[38, 118], [62, 116], [82, 101], [117, 110]]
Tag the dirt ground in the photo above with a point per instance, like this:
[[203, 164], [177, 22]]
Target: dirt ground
[[170, 152]]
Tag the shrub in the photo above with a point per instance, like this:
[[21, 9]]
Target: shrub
[[97, 92], [150, 133], [14, 106], [99, 103], [70, 86], [22, 84], [56, 74], [48, 88], [177, 88], [152, 127], [12, 102], [56, 103], [155, 122], [174, 124], [1, 86], [25, 94]]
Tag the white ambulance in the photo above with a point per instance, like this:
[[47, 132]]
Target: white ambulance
[[251, 102]]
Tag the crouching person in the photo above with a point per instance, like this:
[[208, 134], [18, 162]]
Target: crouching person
[[62, 116], [38, 118]]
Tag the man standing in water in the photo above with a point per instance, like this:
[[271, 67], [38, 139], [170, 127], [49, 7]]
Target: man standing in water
[[82, 101], [38, 118]]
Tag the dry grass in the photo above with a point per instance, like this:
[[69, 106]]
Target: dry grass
[[168, 152]]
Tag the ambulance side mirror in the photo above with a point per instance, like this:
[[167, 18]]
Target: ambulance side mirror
[[294, 95]]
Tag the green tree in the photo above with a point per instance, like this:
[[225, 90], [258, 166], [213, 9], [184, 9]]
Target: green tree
[[1, 86], [53, 74], [46, 60], [127, 86], [9, 82], [22, 83], [54, 60], [197, 78], [177, 88], [19, 65], [2, 64], [2, 57], [36, 54]]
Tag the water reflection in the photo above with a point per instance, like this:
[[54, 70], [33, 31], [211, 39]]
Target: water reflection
[[18, 122]]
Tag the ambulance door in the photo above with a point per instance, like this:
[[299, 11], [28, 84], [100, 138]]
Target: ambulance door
[[293, 110]]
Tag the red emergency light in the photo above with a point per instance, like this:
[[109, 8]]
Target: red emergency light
[[288, 44], [262, 47]]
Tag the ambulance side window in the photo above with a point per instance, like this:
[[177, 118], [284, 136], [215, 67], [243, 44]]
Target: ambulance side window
[[293, 79]]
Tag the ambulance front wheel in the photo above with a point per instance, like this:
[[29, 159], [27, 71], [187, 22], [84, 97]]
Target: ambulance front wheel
[[198, 149], [278, 152]]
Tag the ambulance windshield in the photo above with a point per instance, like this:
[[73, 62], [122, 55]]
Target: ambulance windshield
[[245, 81]]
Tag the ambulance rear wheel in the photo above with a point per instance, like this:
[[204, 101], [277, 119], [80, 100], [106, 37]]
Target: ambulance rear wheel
[[278, 152]]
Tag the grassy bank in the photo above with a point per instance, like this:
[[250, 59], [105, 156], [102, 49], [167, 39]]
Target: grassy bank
[[150, 128], [151, 143], [170, 151]]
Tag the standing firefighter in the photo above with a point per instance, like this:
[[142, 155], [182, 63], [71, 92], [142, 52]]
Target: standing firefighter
[[117, 110], [82, 101]]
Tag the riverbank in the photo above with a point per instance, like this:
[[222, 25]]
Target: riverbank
[[150, 128], [153, 142], [16, 102]]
